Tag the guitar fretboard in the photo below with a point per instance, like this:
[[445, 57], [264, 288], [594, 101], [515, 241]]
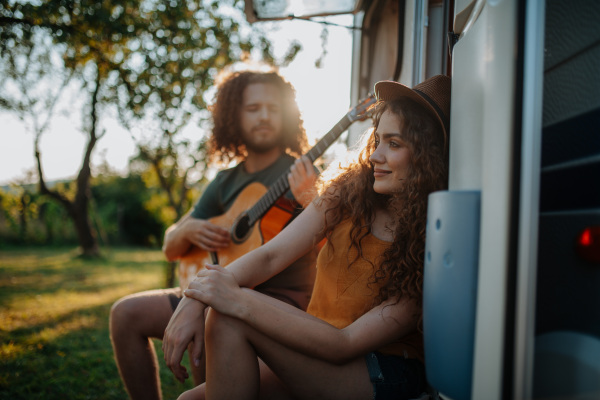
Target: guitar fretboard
[[282, 185]]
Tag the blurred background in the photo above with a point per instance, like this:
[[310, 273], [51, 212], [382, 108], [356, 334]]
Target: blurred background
[[103, 112], [124, 93]]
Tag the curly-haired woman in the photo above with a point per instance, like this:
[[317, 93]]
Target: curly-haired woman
[[360, 337]]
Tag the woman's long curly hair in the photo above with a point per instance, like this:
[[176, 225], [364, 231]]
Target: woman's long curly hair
[[350, 195], [226, 142]]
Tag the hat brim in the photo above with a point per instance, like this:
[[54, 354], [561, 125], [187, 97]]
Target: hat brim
[[391, 90]]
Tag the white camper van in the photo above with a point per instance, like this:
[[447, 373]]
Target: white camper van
[[512, 273]]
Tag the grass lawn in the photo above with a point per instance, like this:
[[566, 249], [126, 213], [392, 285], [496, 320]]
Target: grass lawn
[[54, 307]]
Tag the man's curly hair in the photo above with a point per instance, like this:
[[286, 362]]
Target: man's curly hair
[[350, 195], [226, 142]]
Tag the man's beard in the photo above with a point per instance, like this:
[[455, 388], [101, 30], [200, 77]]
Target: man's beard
[[263, 147]]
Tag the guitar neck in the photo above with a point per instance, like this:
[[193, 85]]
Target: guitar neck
[[327, 140], [282, 185]]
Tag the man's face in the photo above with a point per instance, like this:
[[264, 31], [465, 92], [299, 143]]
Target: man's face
[[261, 117]]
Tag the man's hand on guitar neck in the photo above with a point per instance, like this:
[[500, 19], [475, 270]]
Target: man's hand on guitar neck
[[186, 326], [302, 178]]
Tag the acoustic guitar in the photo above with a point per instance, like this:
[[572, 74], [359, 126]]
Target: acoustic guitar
[[254, 226]]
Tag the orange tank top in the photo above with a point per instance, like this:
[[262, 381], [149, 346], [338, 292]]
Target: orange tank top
[[342, 294]]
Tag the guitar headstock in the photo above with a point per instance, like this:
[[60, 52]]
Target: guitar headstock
[[363, 110]]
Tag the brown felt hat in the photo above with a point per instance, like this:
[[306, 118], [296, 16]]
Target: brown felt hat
[[433, 94]]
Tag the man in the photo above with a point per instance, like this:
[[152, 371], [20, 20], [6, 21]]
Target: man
[[256, 122]]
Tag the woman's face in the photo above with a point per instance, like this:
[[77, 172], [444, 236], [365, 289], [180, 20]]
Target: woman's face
[[391, 158]]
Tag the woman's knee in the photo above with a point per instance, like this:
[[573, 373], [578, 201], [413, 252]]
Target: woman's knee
[[218, 325]]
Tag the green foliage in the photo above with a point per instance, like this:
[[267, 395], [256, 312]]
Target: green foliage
[[174, 168], [120, 205], [28, 218], [155, 57], [54, 307], [124, 209]]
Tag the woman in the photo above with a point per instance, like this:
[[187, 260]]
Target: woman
[[360, 337]]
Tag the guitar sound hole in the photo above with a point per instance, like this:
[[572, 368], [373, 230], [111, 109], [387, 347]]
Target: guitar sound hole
[[241, 229]]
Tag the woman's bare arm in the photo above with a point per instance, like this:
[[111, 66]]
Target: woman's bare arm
[[300, 331], [298, 238]]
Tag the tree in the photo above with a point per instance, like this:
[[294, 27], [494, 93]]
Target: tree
[[140, 56], [170, 165], [26, 55]]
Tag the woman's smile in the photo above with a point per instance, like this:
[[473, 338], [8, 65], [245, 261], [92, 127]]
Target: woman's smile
[[379, 173]]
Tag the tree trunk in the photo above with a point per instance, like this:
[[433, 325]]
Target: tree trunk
[[78, 208], [85, 233], [83, 227]]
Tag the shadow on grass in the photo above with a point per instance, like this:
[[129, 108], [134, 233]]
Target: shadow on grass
[[49, 273], [77, 364], [63, 350]]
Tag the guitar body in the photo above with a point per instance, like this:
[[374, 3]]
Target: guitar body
[[275, 219]]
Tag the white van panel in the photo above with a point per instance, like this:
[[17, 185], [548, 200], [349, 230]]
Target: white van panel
[[483, 83]]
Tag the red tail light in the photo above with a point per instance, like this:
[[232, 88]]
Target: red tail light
[[588, 244]]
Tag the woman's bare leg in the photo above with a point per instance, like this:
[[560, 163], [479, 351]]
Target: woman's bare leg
[[232, 350], [271, 387]]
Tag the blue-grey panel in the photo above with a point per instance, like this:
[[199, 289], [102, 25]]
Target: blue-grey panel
[[450, 290]]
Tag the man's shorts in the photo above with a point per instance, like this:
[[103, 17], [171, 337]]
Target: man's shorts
[[395, 377], [295, 298], [175, 296]]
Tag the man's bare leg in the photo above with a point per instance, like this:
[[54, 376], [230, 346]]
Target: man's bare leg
[[133, 321]]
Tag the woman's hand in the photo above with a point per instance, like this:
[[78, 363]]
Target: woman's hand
[[302, 178], [217, 287], [186, 325]]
